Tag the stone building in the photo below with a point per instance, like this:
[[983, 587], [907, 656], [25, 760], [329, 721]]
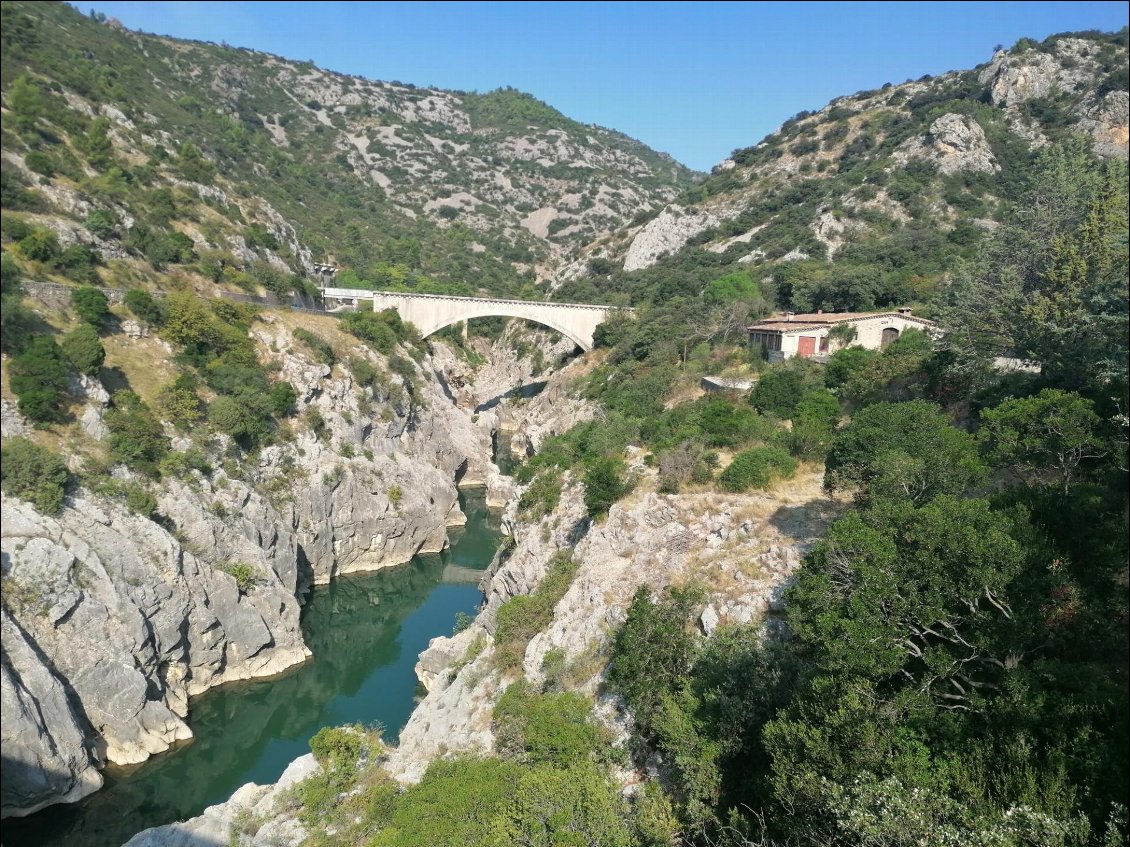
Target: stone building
[[819, 334]]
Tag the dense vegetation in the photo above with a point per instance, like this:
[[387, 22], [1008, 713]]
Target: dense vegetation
[[954, 664], [955, 670]]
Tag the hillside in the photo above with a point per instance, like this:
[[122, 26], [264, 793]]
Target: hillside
[[876, 598], [214, 159], [872, 200]]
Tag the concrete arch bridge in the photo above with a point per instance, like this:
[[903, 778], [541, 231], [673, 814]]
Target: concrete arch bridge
[[432, 312]]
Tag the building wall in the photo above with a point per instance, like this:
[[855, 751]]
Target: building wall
[[868, 334]]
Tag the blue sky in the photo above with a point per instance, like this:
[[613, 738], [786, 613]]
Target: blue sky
[[695, 80]]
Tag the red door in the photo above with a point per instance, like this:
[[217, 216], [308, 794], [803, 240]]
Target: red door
[[806, 346]]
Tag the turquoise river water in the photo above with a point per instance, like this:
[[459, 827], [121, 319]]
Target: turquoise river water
[[366, 632]]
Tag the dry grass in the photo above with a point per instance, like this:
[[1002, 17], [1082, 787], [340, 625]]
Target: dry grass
[[144, 362]]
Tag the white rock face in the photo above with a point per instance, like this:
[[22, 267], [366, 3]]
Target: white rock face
[[256, 802], [125, 621], [666, 233], [955, 143], [740, 546], [1014, 79]]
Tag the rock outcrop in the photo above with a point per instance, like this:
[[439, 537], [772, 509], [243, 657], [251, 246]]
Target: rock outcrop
[[666, 233], [114, 620], [955, 143]]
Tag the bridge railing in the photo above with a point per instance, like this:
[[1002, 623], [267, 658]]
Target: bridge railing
[[366, 294]]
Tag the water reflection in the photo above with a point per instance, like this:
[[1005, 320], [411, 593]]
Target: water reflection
[[365, 631]]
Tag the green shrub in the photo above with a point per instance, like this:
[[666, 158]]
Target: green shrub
[[395, 494], [758, 467], [35, 474], [243, 574], [40, 245], [91, 305], [144, 307], [39, 380], [321, 349], [281, 398], [604, 485], [550, 729], [337, 747], [542, 496], [102, 224], [897, 450], [781, 387], [139, 501], [84, 349], [520, 618], [814, 423], [136, 436], [179, 403]]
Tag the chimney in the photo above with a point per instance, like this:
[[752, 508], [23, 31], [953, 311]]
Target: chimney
[[904, 310], [789, 316], [819, 311]]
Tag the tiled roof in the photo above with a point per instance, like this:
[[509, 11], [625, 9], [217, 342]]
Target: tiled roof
[[775, 326], [819, 320]]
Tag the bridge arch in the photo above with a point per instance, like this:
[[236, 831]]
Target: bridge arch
[[584, 344], [432, 312]]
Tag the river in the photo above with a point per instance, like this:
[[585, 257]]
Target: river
[[366, 632]]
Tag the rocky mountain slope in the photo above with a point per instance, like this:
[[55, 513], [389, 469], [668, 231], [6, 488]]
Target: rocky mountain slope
[[894, 182], [263, 158], [114, 616]]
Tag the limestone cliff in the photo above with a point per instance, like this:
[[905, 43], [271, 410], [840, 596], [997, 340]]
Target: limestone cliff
[[113, 620]]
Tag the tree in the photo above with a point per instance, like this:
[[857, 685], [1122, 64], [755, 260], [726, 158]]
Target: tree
[[903, 450], [84, 349], [1055, 431], [91, 305]]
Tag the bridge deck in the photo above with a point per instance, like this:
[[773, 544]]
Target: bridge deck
[[368, 294]]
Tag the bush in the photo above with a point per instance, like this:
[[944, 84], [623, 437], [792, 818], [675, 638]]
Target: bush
[[545, 728], [781, 387], [143, 306], [243, 574], [91, 305], [39, 380], [904, 450], [102, 224], [84, 349], [520, 618], [604, 485], [35, 474], [337, 747], [757, 468], [814, 423], [136, 436], [542, 496], [179, 404], [321, 349], [40, 245], [139, 501], [281, 398]]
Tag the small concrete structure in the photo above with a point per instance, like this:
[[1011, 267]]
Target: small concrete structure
[[432, 312], [809, 335], [715, 384]]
